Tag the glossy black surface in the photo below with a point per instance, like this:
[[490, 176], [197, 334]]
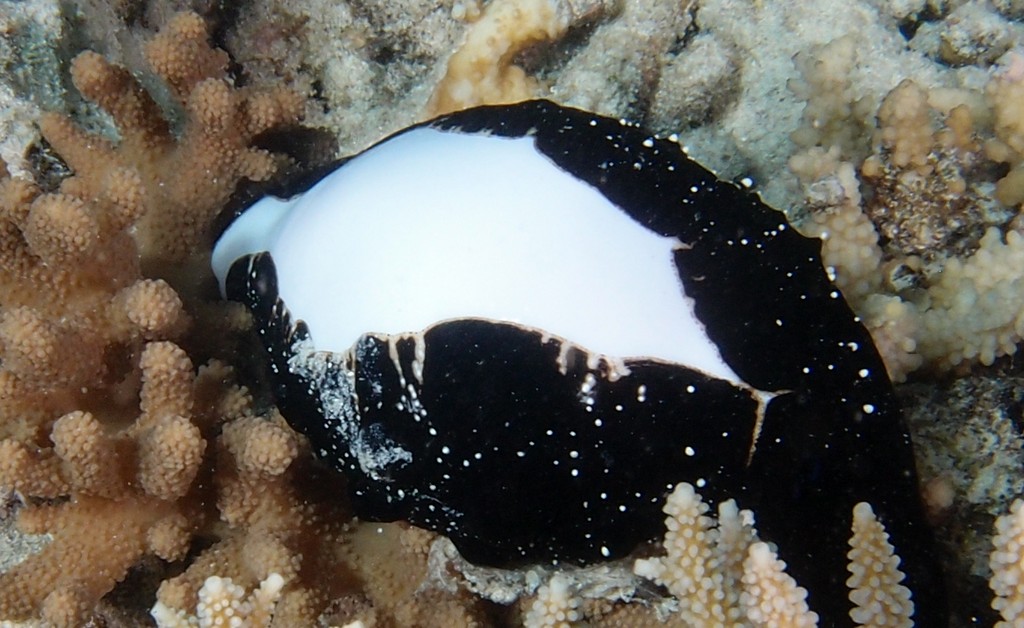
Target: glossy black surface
[[833, 435]]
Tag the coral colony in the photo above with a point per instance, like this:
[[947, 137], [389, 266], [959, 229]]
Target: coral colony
[[521, 326]]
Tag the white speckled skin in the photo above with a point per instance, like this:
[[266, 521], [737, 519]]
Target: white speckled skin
[[491, 251], [430, 225]]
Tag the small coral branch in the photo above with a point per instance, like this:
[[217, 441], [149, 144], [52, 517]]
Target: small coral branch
[[875, 590], [186, 180], [1005, 93], [721, 574], [1007, 563], [555, 605], [482, 70], [221, 602], [770, 596]]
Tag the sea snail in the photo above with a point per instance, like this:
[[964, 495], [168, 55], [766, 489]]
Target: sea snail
[[521, 325]]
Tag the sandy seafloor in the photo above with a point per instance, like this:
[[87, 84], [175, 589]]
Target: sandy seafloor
[[719, 73]]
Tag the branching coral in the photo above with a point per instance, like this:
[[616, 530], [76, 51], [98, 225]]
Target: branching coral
[[184, 180], [722, 575], [919, 164], [391, 562], [875, 589], [771, 597], [916, 160], [833, 109], [914, 257], [554, 605], [125, 492], [223, 603], [1007, 562], [272, 527], [1004, 94], [104, 420], [482, 70], [924, 238]]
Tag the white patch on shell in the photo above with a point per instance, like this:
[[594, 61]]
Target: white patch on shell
[[437, 225]]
